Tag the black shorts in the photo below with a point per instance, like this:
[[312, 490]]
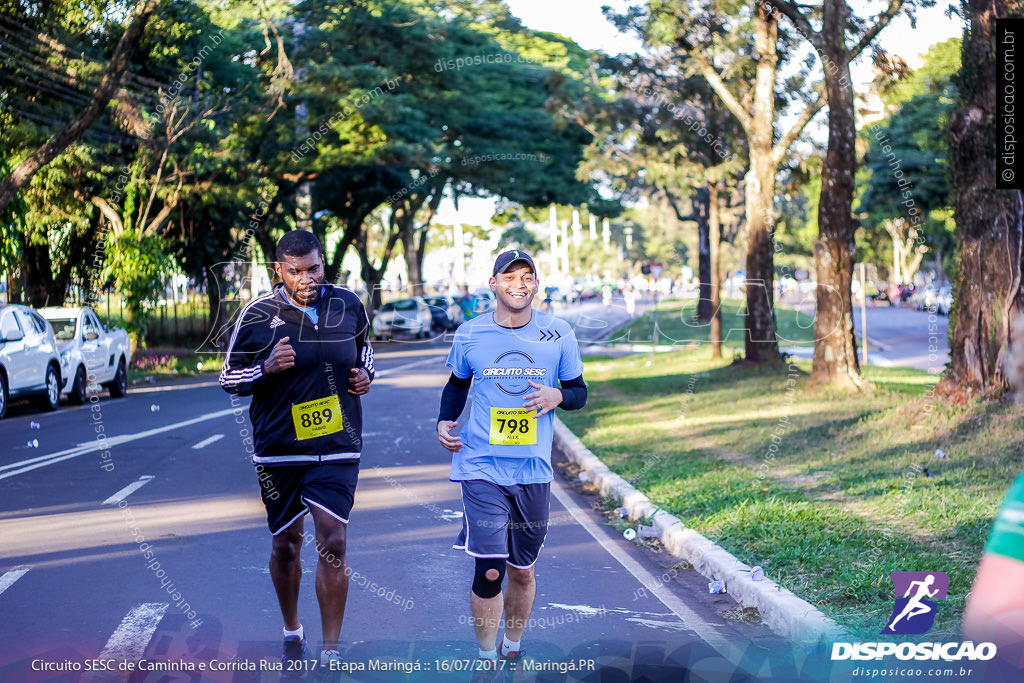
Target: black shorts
[[508, 522], [289, 490]]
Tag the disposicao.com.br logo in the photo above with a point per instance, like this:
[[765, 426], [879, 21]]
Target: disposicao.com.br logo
[[917, 596]]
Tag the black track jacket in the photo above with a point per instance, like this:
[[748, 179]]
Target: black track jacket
[[294, 413]]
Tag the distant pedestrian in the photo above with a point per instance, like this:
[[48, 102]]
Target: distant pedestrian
[[302, 353], [630, 298], [894, 295], [466, 304], [524, 364]]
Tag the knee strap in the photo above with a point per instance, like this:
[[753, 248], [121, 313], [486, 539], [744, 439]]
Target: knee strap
[[482, 586]]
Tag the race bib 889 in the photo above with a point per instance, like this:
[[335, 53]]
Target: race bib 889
[[317, 418]]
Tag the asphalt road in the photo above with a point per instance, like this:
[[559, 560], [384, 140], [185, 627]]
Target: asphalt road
[[897, 336], [904, 336], [76, 583]]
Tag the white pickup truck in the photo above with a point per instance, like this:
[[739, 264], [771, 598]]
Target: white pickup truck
[[90, 354]]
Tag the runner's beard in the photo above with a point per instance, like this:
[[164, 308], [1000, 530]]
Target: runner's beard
[[313, 294]]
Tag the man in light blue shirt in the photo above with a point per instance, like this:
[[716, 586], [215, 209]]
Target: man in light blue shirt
[[525, 364]]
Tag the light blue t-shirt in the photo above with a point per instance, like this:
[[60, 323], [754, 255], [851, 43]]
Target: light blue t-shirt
[[496, 440], [310, 311]]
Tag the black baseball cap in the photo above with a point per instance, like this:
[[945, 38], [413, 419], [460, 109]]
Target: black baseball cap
[[507, 258]]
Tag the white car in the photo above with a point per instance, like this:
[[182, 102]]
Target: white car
[[411, 316], [90, 354], [29, 360]]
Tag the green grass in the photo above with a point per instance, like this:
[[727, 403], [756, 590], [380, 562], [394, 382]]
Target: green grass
[[852, 492], [677, 325]]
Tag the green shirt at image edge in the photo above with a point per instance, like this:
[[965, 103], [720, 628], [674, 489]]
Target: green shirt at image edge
[[1007, 536]]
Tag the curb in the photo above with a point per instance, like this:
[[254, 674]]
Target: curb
[[781, 610]]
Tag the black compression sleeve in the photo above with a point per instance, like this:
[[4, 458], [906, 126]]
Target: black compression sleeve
[[453, 397], [574, 394]]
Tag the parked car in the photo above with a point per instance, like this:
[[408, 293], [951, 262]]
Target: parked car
[[917, 299], [90, 354], [925, 297], [445, 313], [29, 359], [410, 316]]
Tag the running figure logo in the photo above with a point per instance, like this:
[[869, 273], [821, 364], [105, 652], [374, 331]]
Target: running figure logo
[[914, 612]]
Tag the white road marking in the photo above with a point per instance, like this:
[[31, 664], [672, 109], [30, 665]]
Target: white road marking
[[660, 625], [132, 636], [691, 621], [8, 578], [433, 359], [588, 611], [128, 490], [52, 458], [206, 442], [175, 387]]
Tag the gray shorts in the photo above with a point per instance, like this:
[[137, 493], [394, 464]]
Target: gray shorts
[[504, 521]]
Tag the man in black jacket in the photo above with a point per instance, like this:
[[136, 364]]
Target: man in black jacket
[[302, 353]]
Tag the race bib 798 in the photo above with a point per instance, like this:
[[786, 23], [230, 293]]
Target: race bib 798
[[512, 427]]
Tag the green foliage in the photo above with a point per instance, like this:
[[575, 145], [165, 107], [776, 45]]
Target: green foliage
[[797, 227], [137, 267], [12, 223], [221, 130], [904, 174], [519, 237]]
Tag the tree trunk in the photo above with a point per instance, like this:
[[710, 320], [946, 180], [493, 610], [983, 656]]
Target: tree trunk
[[269, 248], [372, 276], [38, 270], [353, 222], [412, 257], [988, 221], [219, 325], [421, 247], [43, 286], [835, 348], [333, 270], [700, 201], [761, 343], [15, 291], [714, 240], [79, 244], [414, 240]]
